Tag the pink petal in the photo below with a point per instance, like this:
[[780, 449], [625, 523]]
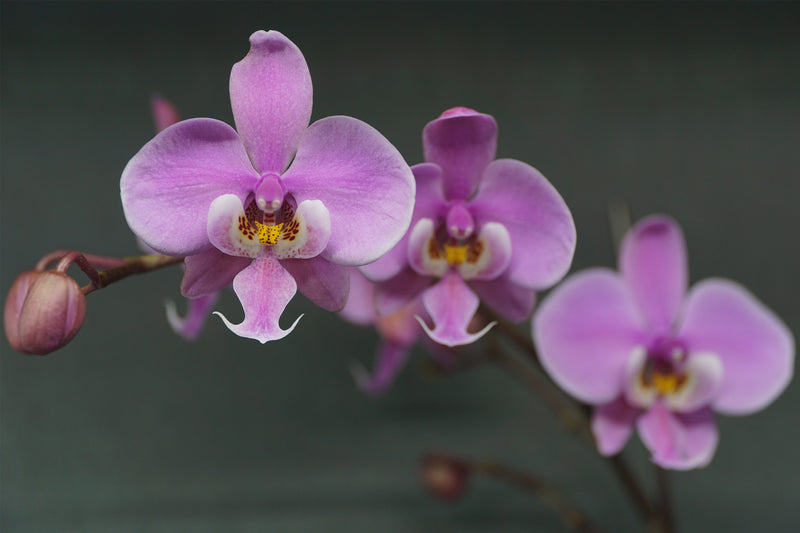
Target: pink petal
[[755, 346], [612, 425], [536, 217], [495, 257], [360, 306], [264, 289], [324, 283], [652, 260], [168, 186], [394, 294], [586, 331], [429, 203], [271, 100], [389, 359], [513, 302], [462, 145], [164, 112], [198, 310], [679, 441], [361, 179], [209, 271], [451, 305]]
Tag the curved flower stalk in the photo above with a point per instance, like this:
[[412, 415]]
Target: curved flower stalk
[[398, 334], [482, 229], [275, 205], [648, 354], [165, 114]]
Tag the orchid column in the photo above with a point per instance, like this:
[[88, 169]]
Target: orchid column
[[276, 205]]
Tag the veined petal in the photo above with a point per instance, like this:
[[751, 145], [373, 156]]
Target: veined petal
[[210, 271], [264, 289], [424, 254], [324, 283], [389, 359], [198, 310], [462, 143], [513, 302], [755, 346], [168, 186], [679, 441], [230, 231], [489, 255], [360, 306], [392, 295], [652, 259], [612, 425], [536, 217], [704, 374], [586, 330], [271, 100], [429, 203], [451, 305], [306, 235], [361, 179]]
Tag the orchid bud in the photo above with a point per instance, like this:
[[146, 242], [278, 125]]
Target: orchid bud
[[43, 312], [445, 477]]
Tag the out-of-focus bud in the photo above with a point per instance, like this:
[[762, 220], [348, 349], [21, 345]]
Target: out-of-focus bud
[[43, 312], [445, 477]]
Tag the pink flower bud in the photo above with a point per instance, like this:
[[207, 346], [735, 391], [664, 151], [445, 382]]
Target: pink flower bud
[[43, 311], [445, 477]]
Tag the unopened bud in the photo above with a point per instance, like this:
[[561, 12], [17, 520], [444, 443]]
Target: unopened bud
[[445, 477], [43, 312]]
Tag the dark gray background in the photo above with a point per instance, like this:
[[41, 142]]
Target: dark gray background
[[689, 109]]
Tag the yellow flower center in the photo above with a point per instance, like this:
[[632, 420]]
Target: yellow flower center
[[455, 255], [268, 233]]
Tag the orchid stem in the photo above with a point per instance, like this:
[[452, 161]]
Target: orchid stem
[[554, 498], [133, 265], [664, 522]]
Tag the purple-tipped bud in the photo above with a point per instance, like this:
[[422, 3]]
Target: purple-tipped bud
[[445, 477], [43, 312]]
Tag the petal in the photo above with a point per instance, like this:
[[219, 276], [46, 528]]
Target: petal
[[652, 259], [169, 184], [229, 230], [198, 310], [324, 283], [360, 306], [493, 256], [389, 359], [361, 179], [164, 112], [636, 392], [513, 302], [703, 377], [585, 331], [462, 144], [612, 425], [271, 100], [536, 217], [306, 235], [451, 305], [209, 271], [394, 294], [676, 441], [755, 346], [401, 327], [264, 289], [424, 254], [429, 203]]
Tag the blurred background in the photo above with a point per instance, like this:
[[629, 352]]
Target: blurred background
[[689, 109]]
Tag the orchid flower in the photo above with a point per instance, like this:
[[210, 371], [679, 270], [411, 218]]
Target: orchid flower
[[275, 205], [482, 229], [649, 354]]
